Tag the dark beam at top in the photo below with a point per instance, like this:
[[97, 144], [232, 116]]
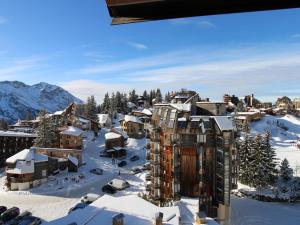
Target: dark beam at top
[[129, 11]]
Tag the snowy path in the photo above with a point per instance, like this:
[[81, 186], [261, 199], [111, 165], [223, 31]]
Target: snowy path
[[246, 211]]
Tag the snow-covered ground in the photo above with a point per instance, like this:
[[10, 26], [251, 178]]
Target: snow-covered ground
[[284, 141], [64, 190]]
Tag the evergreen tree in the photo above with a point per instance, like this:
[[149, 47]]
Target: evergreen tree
[[158, 95], [145, 95], [270, 159], [105, 107], [29, 116], [133, 97], [286, 172], [118, 102], [260, 173], [3, 124], [46, 132], [91, 109], [167, 97]]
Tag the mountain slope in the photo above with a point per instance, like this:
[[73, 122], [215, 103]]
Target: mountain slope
[[17, 99]]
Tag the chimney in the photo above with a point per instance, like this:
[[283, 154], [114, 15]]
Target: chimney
[[118, 219], [158, 220]]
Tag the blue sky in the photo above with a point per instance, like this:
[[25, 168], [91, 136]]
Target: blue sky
[[72, 44]]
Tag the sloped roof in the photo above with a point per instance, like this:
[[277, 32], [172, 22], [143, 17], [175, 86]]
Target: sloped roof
[[25, 155], [16, 134], [73, 131], [112, 135], [224, 122], [182, 107], [133, 119]]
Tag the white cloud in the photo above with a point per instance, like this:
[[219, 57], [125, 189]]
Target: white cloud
[[138, 46], [194, 22], [296, 36], [3, 20]]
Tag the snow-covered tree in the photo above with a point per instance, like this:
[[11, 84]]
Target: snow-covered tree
[[133, 97], [286, 172], [46, 132], [158, 95], [167, 97], [106, 104]]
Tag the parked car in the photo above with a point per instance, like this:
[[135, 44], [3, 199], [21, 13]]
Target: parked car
[[136, 170], [148, 177], [119, 184], [78, 206], [2, 209], [122, 163], [109, 189], [10, 214], [30, 220], [147, 166], [134, 158], [89, 198], [97, 171], [20, 217]]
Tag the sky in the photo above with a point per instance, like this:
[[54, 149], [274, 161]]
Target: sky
[[71, 43]]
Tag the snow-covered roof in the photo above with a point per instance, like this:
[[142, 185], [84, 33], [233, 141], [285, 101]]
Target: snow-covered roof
[[103, 118], [112, 135], [224, 122], [83, 120], [40, 158], [15, 134], [58, 113], [25, 155], [136, 211], [132, 119], [241, 117], [147, 112], [22, 167], [73, 159], [119, 131], [247, 113], [182, 107], [73, 131], [131, 105]]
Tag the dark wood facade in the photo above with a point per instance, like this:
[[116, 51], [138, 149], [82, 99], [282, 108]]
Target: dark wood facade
[[12, 143]]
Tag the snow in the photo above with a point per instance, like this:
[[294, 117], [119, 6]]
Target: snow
[[131, 105], [284, 141], [58, 113], [112, 135], [147, 112], [135, 210], [40, 158], [15, 134], [22, 167], [132, 119], [25, 155], [103, 118], [73, 131], [74, 160], [224, 122], [182, 107]]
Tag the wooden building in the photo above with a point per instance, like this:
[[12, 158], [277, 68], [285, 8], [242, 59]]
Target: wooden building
[[13, 142], [133, 126], [71, 138], [105, 120], [192, 155], [113, 139], [251, 115]]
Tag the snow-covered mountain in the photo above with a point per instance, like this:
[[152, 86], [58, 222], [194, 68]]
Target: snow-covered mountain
[[17, 99]]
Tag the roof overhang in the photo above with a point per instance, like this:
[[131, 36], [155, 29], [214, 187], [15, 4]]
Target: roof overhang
[[131, 11]]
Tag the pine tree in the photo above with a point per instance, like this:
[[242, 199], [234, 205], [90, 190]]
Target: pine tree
[[118, 102], [270, 160], [167, 97], [106, 104], [133, 97], [286, 173], [158, 95], [46, 132], [91, 109], [260, 173], [145, 95], [3, 124]]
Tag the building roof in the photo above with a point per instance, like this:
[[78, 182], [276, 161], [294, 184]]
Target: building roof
[[136, 211], [224, 122], [73, 159], [73, 131], [129, 11], [132, 119], [16, 134], [103, 118], [22, 167], [112, 135], [146, 112], [25, 155]]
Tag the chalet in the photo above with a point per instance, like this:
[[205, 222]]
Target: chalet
[[193, 155], [13, 142], [144, 115], [26, 169], [86, 124], [71, 138], [211, 108], [133, 126], [143, 102], [113, 139], [26, 126], [105, 120], [65, 117]]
